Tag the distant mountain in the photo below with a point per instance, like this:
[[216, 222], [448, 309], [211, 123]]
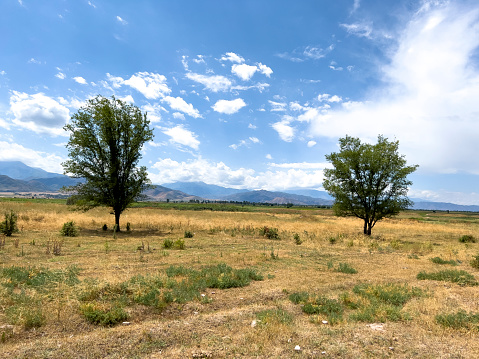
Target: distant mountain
[[263, 196], [201, 189], [19, 170], [310, 192], [442, 206], [8, 184], [56, 183], [162, 194]]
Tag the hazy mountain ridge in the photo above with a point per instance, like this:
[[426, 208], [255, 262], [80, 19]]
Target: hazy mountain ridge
[[187, 191]]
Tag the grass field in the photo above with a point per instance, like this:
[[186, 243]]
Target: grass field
[[255, 283]]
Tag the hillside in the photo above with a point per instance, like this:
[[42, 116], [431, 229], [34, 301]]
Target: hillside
[[19, 170], [201, 189], [262, 196], [162, 194]]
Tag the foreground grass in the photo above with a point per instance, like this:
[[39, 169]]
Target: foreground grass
[[233, 290]]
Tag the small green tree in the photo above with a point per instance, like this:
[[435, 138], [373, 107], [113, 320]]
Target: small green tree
[[9, 225], [106, 138], [368, 181]]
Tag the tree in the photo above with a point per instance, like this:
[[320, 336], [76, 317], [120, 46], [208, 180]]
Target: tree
[[368, 181], [106, 138]]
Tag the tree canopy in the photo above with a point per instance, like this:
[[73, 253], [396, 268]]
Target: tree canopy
[[368, 181], [106, 138]]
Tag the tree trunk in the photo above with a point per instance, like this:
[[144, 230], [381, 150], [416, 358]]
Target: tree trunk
[[367, 227], [117, 220]]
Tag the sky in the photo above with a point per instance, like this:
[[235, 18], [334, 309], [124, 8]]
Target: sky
[[251, 94]]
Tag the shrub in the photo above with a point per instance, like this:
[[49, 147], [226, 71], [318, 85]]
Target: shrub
[[188, 234], [467, 238], [168, 243], [180, 243], [297, 239], [475, 261], [9, 225], [455, 276], [69, 229], [439, 260], [273, 317], [105, 227], [34, 318], [268, 232], [128, 226], [105, 317], [345, 268]]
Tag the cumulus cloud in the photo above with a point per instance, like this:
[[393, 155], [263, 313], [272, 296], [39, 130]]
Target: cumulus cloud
[[178, 104], [151, 85], [231, 56], [229, 107], [80, 80], [214, 83], [312, 143], [265, 70], [285, 131], [153, 112], [244, 71], [38, 113], [15, 152], [429, 102], [182, 136], [222, 175]]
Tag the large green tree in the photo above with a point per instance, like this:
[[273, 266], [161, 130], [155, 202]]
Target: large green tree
[[106, 138], [368, 181]]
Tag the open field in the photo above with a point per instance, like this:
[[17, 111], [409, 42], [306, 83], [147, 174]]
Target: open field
[[230, 291]]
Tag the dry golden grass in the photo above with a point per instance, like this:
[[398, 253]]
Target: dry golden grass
[[398, 250]]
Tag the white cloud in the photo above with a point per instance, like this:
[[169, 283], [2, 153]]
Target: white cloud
[[80, 80], [61, 75], [34, 61], [302, 165], [462, 198], [254, 140], [182, 136], [91, 4], [277, 106], [269, 157], [15, 152], [213, 83], [229, 107], [116, 81], [243, 71], [231, 56], [317, 53], [38, 113], [178, 104], [252, 127], [222, 175], [359, 29], [265, 70], [151, 85], [121, 21], [285, 131], [429, 102], [153, 112], [312, 143], [247, 143], [179, 116]]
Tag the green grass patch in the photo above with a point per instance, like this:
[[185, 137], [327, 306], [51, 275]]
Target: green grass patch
[[345, 268], [439, 260], [459, 320], [274, 317], [330, 308], [462, 278]]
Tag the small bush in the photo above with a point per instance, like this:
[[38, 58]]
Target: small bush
[[268, 232], [297, 239], [459, 320], [9, 225], [128, 226], [345, 268], [105, 317], [188, 234], [439, 260], [180, 244], [467, 238], [475, 261], [105, 227], [455, 276], [34, 318], [168, 243], [332, 240], [69, 229]]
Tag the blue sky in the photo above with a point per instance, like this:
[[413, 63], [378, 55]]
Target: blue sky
[[251, 94]]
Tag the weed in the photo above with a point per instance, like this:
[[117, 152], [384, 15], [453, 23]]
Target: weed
[[274, 255], [180, 243], [297, 239], [439, 260], [188, 234], [105, 317], [475, 261], [16, 242], [413, 256], [168, 243], [455, 276], [459, 320], [69, 229], [128, 226], [269, 232], [345, 268], [33, 318], [332, 240], [467, 238], [9, 225]]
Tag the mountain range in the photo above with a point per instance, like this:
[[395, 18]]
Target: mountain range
[[16, 177]]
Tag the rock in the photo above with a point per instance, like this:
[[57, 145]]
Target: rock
[[253, 324], [376, 326], [297, 348], [324, 322], [126, 323]]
